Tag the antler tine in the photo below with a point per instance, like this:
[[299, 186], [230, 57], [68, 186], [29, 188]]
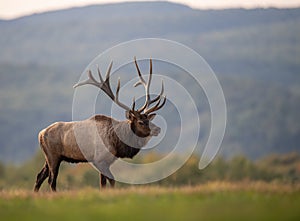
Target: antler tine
[[157, 106], [146, 85], [108, 72], [116, 100], [133, 104], [91, 80], [148, 101], [99, 74], [142, 81], [158, 96], [104, 85]]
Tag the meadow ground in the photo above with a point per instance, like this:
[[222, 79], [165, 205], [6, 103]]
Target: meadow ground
[[212, 201]]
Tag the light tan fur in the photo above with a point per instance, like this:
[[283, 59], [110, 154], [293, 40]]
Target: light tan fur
[[100, 139]]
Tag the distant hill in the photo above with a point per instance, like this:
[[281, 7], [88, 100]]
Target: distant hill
[[255, 53]]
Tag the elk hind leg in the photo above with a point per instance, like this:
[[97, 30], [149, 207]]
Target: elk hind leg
[[42, 175], [54, 168]]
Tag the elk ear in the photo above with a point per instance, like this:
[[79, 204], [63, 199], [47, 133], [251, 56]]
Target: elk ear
[[129, 115], [151, 117]]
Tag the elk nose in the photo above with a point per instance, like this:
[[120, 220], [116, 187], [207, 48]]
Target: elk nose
[[155, 131]]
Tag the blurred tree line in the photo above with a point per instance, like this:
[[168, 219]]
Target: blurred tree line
[[272, 168], [254, 53]]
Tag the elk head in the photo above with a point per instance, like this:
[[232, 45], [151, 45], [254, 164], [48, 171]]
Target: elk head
[[139, 119]]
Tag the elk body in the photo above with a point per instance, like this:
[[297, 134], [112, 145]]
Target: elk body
[[100, 139]]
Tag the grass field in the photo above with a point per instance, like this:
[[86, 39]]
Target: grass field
[[213, 201]]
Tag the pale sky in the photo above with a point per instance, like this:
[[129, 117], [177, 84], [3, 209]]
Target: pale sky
[[16, 8]]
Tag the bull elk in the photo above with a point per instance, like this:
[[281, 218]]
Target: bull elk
[[100, 139]]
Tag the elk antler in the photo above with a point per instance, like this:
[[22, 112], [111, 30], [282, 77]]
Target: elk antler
[[104, 85], [146, 107]]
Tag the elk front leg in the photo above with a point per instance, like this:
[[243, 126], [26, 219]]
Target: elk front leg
[[102, 181], [105, 174], [111, 182]]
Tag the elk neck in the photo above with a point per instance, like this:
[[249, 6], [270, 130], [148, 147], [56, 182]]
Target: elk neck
[[126, 143]]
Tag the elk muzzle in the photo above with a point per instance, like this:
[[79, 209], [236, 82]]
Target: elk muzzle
[[155, 130]]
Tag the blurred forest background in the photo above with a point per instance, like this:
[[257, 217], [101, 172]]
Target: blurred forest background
[[255, 54], [275, 168]]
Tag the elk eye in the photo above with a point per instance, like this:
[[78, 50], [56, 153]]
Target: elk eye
[[141, 123]]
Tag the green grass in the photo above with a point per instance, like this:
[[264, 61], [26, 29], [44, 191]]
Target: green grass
[[215, 201]]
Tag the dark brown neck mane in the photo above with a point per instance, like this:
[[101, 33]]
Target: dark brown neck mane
[[123, 150]]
